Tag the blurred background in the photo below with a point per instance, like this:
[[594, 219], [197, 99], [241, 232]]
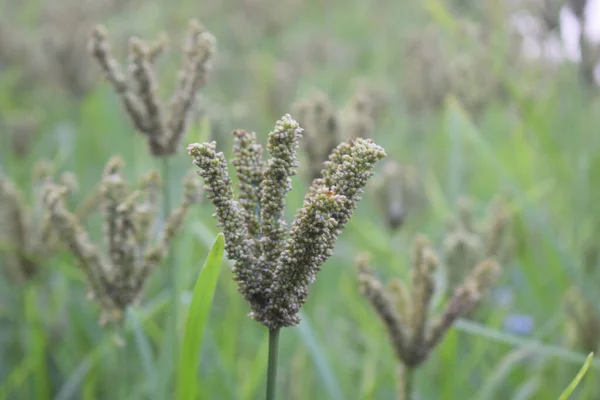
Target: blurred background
[[476, 103]]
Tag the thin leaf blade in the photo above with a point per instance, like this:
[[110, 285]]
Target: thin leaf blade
[[196, 320], [573, 385]]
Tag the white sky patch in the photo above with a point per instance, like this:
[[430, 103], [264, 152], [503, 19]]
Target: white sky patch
[[570, 34], [571, 30], [593, 28], [558, 49]]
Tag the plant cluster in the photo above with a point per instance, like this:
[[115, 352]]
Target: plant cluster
[[325, 126], [133, 248], [276, 256], [273, 267], [162, 126], [407, 313]]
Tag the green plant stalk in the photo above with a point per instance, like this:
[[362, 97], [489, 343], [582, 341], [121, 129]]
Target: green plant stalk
[[170, 263], [405, 382], [272, 366], [168, 358], [123, 363], [37, 343]]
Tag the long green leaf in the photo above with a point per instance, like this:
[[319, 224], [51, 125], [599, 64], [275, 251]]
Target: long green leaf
[[71, 386], [565, 395], [440, 14], [534, 346], [323, 368], [258, 367], [143, 344], [38, 344], [196, 321], [501, 371]]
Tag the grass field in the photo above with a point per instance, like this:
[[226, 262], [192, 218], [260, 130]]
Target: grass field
[[455, 100]]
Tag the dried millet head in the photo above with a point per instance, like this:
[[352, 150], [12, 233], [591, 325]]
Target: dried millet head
[[117, 272], [274, 267], [406, 312], [583, 323], [163, 125], [27, 239], [318, 117], [469, 241], [398, 193]]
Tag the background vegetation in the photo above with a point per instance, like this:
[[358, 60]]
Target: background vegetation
[[457, 99]]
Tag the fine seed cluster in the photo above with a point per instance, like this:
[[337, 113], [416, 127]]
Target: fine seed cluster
[[163, 126], [406, 313], [133, 250], [274, 267]]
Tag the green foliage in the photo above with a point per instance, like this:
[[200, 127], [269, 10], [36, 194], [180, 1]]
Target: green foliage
[[536, 144], [575, 382], [197, 318]]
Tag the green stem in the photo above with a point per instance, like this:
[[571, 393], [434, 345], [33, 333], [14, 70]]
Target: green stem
[[168, 357], [272, 369], [170, 264], [405, 382], [122, 359]]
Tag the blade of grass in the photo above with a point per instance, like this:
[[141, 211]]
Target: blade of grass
[[532, 214], [200, 131], [38, 344], [89, 386], [17, 377], [71, 386], [438, 12], [533, 346], [435, 194], [217, 380], [168, 354], [325, 372], [528, 389], [450, 352], [143, 345], [369, 375], [573, 385], [452, 126], [511, 361], [255, 372], [196, 321]]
